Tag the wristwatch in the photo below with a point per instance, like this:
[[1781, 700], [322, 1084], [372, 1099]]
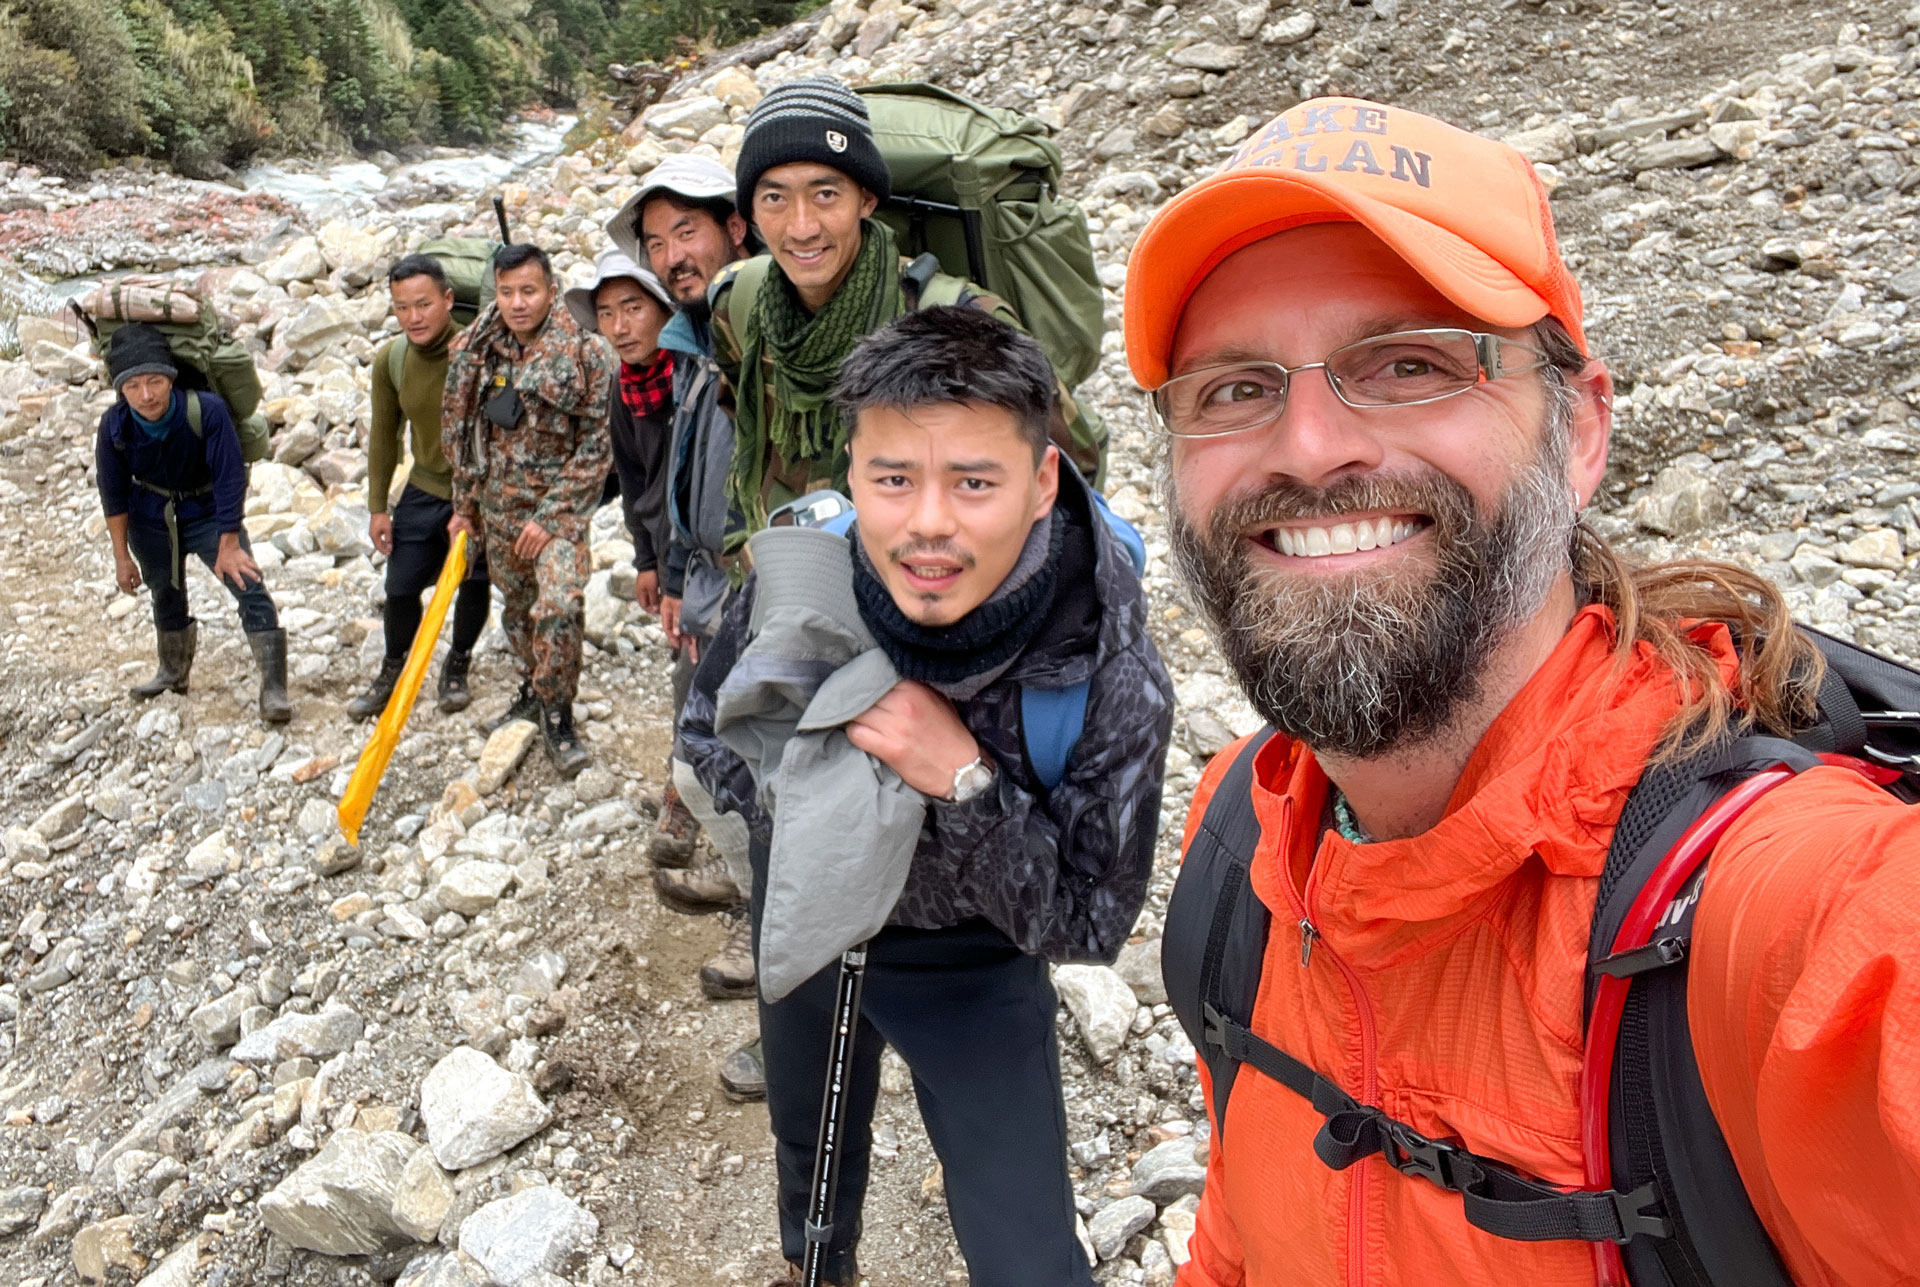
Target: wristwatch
[[969, 780]]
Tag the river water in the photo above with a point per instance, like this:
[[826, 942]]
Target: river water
[[348, 188]]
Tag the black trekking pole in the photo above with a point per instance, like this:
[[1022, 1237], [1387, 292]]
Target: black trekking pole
[[500, 213], [833, 1113]]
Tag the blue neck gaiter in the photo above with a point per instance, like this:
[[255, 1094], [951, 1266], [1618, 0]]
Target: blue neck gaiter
[[157, 429]]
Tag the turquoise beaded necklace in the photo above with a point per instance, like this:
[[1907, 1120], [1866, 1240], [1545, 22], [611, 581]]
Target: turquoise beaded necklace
[[1345, 823]]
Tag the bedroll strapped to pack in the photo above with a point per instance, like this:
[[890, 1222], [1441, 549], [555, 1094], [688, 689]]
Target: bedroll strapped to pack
[[1664, 1205], [977, 187], [207, 357]]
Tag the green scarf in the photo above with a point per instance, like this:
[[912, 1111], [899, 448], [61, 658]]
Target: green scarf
[[801, 356]]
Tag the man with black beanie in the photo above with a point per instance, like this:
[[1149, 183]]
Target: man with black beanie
[[172, 483], [810, 177]]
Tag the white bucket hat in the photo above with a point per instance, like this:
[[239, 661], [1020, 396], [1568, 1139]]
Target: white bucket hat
[[697, 178], [611, 264]]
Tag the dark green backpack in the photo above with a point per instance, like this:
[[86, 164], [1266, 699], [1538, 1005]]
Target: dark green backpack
[[978, 187], [208, 358]]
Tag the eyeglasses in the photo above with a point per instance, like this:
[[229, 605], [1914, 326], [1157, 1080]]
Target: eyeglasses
[[1403, 369]]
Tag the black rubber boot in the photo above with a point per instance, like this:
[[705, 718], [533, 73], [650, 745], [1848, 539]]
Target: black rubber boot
[[453, 682], [176, 659], [374, 700], [563, 744], [270, 651], [526, 706]]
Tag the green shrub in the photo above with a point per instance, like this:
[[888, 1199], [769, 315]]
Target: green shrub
[[43, 122]]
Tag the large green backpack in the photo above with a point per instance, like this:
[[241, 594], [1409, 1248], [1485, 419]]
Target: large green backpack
[[207, 357], [977, 186]]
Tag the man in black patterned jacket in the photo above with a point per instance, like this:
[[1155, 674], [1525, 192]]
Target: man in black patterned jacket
[[982, 569]]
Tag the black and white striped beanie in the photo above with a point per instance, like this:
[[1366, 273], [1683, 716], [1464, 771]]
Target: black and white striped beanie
[[816, 118]]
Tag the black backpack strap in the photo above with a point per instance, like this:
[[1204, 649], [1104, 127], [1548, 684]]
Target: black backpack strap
[[1662, 1135], [1216, 929]]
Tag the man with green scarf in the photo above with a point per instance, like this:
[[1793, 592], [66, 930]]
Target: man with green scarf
[[810, 177]]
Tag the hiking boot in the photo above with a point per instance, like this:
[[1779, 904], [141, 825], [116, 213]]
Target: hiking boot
[[453, 682], [563, 744], [728, 973], [697, 890], [374, 700], [270, 651], [674, 834], [526, 706], [176, 659], [743, 1074]]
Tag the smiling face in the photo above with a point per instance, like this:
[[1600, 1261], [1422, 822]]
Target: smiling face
[[1360, 565], [422, 306], [947, 495], [525, 296], [809, 215], [631, 318], [686, 245]]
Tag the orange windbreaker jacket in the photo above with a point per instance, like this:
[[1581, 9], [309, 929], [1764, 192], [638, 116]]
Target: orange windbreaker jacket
[[1446, 982]]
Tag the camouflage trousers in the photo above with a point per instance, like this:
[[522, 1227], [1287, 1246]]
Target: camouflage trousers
[[545, 617]]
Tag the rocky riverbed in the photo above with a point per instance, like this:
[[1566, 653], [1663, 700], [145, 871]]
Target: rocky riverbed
[[235, 1050]]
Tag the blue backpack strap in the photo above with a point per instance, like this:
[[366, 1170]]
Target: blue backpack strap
[[1128, 534], [1050, 721]]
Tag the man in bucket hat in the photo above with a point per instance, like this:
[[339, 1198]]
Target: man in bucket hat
[[626, 305], [1383, 421], [683, 223]]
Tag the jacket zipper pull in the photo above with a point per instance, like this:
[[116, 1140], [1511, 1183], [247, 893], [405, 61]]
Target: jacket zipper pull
[[1307, 936]]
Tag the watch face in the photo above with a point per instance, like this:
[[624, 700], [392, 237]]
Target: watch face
[[971, 781]]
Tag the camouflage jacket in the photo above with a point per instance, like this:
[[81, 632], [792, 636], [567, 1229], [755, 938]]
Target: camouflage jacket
[[1079, 434], [1061, 872], [551, 466]]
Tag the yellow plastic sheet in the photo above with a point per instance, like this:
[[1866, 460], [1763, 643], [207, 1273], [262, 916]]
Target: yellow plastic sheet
[[386, 734]]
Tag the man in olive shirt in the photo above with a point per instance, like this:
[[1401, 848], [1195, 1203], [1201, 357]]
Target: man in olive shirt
[[409, 379]]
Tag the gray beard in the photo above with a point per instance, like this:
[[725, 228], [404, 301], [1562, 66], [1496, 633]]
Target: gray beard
[[1363, 664]]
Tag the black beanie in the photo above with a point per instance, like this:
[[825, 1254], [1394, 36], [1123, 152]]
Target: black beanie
[[817, 119], [138, 349]]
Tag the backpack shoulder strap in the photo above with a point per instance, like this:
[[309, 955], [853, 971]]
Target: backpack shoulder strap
[[194, 414], [742, 281], [1662, 1137], [397, 362], [1215, 938], [1051, 721]]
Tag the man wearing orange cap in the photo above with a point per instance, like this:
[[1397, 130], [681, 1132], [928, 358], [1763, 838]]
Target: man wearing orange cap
[[1384, 421]]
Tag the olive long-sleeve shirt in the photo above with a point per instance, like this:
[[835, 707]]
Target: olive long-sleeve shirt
[[416, 403]]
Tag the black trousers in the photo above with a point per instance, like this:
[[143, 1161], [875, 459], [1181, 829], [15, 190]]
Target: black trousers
[[200, 538], [973, 1017], [420, 548]]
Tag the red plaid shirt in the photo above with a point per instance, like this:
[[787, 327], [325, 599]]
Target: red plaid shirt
[[647, 389]]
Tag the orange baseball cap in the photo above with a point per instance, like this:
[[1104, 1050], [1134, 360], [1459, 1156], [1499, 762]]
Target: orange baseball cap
[[1468, 213]]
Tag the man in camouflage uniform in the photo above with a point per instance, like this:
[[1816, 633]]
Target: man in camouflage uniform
[[524, 428]]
